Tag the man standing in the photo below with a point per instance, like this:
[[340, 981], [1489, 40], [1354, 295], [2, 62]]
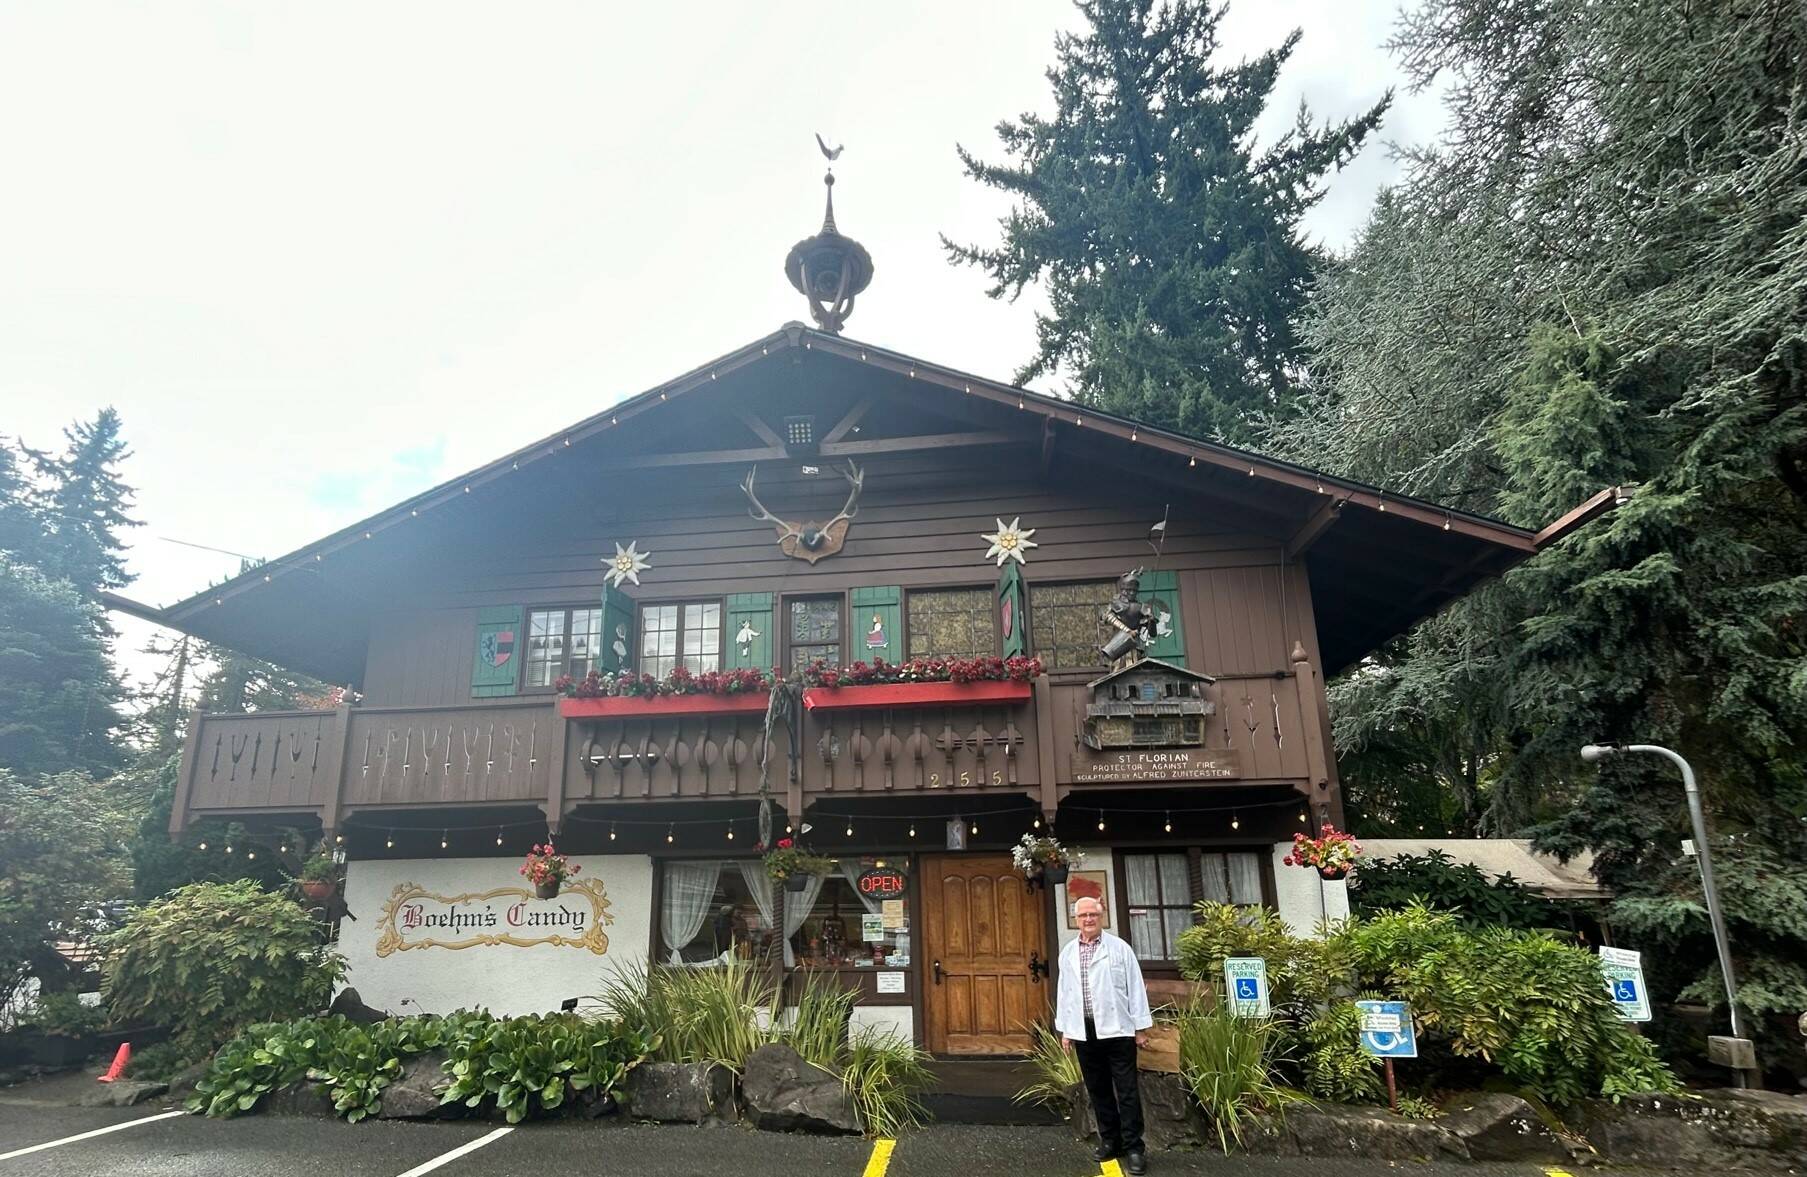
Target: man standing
[[1101, 1011]]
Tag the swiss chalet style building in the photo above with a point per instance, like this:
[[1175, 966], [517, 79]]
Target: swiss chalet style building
[[810, 498]]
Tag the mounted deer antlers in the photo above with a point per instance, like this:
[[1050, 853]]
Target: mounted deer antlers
[[810, 541]]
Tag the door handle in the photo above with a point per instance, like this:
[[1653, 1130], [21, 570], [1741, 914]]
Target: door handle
[[937, 972], [1038, 968]]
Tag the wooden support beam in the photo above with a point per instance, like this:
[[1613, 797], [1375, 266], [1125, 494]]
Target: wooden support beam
[[845, 425], [700, 458], [1313, 528], [929, 441], [760, 429], [1587, 512], [1047, 445]]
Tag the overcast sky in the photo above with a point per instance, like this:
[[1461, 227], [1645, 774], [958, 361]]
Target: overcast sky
[[323, 256]]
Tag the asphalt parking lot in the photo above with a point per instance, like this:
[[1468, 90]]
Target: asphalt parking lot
[[149, 1141]]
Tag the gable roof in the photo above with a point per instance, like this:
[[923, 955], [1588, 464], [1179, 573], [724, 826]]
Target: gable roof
[[1353, 537], [1147, 663]]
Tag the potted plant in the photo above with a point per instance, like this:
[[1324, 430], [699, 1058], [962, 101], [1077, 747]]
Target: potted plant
[[1043, 857], [547, 870], [792, 865], [1331, 854], [319, 876]]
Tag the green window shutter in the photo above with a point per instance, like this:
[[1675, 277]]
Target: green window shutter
[[1013, 619], [501, 645], [1163, 590], [877, 625], [617, 653], [751, 614]]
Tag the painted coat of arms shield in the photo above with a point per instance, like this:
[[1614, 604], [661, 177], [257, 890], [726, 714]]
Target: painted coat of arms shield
[[498, 647]]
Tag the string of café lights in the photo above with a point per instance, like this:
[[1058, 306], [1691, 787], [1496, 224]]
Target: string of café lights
[[672, 826], [948, 377]]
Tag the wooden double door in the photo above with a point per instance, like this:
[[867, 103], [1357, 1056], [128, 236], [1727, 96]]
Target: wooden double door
[[985, 969]]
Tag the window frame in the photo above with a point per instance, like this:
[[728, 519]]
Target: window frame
[[783, 611], [1194, 852], [721, 626], [990, 611], [1063, 673], [522, 686]]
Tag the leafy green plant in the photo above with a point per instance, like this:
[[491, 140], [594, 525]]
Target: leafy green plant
[[66, 1014], [819, 1021], [210, 959], [160, 1060], [1298, 968], [1417, 1107], [1331, 1060], [357, 1062], [697, 1015], [1229, 1063], [883, 1075], [530, 1064], [1056, 1071], [255, 1063], [1434, 877]]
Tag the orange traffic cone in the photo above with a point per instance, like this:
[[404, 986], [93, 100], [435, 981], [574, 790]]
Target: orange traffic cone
[[120, 1059]]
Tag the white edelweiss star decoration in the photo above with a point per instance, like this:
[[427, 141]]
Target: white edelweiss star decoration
[[1009, 543], [626, 564]]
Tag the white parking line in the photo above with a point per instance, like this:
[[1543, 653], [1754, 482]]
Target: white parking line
[[19, 1152], [448, 1158]]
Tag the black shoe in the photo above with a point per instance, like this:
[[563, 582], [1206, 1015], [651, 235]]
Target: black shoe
[[1135, 1162], [1104, 1152]]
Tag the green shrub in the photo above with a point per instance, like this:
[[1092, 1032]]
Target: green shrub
[[66, 1014], [1436, 878], [521, 1066], [1530, 1005], [1056, 1071], [159, 1061], [1417, 1107], [1298, 968], [211, 959], [1332, 1063], [818, 1028], [884, 1074], [529, 1064], [1229, 1063]]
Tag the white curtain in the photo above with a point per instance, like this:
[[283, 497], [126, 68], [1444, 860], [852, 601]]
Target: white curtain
[[689, 897], [797, 904], [851, 872]]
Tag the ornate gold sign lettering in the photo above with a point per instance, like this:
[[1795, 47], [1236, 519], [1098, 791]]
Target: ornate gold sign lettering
[[417, 918]]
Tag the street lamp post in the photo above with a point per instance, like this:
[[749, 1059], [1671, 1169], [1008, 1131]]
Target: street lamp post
[[1596, 752]]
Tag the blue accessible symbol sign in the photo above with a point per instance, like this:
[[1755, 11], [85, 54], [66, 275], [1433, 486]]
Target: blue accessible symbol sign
[[1387, 1029], [1624, 970]]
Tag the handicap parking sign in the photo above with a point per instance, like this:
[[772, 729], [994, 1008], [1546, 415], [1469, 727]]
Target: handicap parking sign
[[1387, 1030], [1245, 980], [1624, 970]]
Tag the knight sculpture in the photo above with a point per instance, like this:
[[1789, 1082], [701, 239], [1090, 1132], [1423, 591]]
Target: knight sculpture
[[1131, 621]]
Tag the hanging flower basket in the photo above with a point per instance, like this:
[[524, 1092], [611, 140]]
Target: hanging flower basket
[[1043, 857], [796, 883], [319, 890], [547, 870], [792, 865], [319, 877], [1332, 854], [1055, 872]]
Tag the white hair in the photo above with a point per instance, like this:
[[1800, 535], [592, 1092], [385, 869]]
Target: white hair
[[1088, 899]]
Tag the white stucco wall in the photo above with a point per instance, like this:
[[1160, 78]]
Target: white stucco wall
[[1305, 899], [1097, 858], [504, 978], [898, 1021]]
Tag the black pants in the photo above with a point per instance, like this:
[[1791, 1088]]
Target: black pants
[[1108, 1066]]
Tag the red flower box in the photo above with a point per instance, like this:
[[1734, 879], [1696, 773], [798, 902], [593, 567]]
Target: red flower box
[[916, 694], [627, 706]]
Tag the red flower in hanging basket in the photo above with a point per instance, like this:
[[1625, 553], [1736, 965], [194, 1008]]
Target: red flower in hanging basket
[[1331, 854]]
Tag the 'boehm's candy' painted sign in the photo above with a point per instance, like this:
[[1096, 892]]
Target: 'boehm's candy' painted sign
[[417, 918]]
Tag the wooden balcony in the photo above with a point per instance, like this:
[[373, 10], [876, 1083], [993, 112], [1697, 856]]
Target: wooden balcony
[[535, 752]]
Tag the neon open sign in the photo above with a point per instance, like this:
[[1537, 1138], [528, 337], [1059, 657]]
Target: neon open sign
[[883, 882]]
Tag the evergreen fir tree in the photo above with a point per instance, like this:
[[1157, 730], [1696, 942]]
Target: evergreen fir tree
[[85, 506], [1167, 239], [59, 698]]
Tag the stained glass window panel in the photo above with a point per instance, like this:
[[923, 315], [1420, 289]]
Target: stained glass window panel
[[814, 630], [1067, 625], [951, 623]]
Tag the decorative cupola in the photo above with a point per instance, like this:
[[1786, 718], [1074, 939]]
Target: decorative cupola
[[829, 269]]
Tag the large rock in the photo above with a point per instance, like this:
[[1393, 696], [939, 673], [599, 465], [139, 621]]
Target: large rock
[[1706, 1131], [351, 1007], [182, 1084], [1500, 1127], [415, 1095], [681, 1093], [1338, 1130], [782, 1093], [123, 1093]]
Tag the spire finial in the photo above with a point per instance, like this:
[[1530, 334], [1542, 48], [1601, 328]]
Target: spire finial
[[829, 269]]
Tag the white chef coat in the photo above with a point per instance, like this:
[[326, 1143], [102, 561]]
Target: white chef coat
[[1119, 998]]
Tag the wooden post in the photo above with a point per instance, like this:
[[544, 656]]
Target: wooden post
[[1392, 1089], [1044, 748], [191, 752], [335, 770], [555, 772]]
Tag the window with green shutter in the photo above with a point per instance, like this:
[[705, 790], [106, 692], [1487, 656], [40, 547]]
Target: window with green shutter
[[1162, 590], [497, 660], [1013, 622], [878, 624], [617, 648]]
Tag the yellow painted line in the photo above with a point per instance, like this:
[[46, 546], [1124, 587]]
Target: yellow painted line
[[1557, 1173], [1111, 1169], [880, 1160]]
